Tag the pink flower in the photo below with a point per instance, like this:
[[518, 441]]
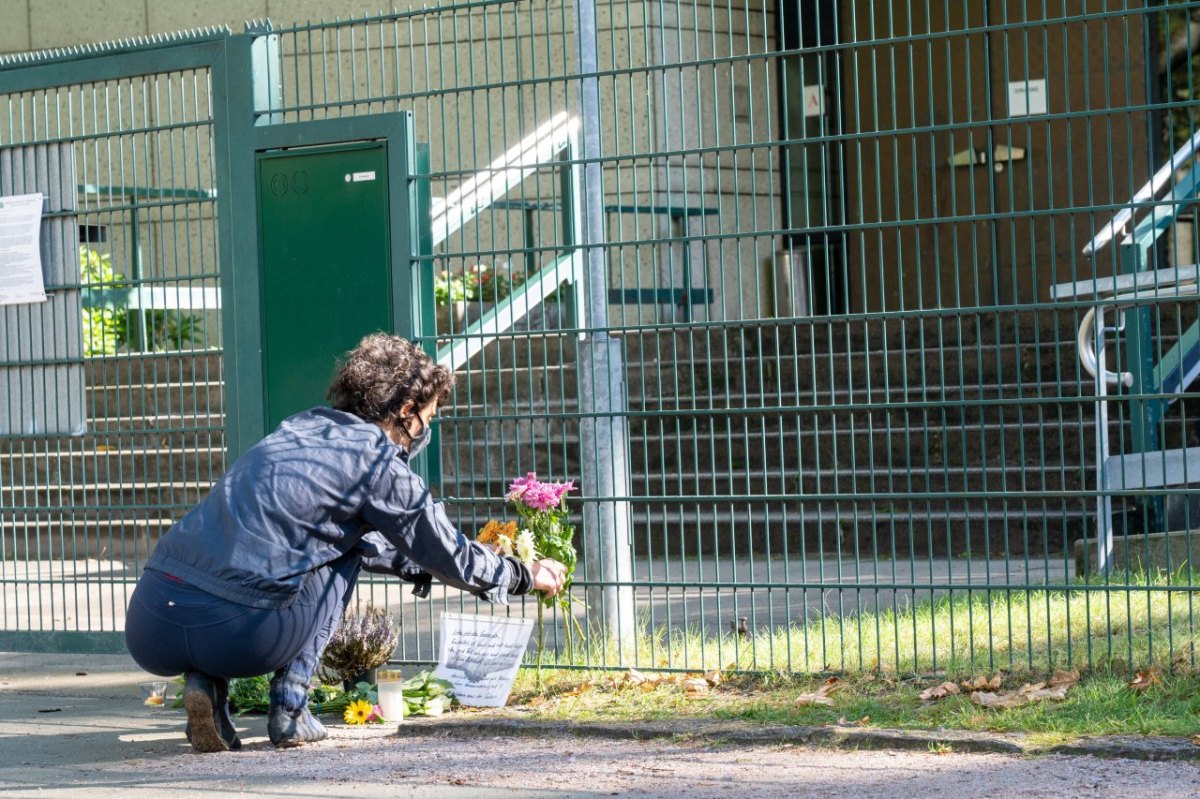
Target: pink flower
[[520, 486], [376, 714], [537, 495]]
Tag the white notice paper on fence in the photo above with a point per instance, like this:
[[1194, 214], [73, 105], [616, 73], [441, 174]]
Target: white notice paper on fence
[[480, 656], [20, 250]]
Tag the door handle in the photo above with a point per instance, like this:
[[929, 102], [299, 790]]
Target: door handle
[[1000, 155]]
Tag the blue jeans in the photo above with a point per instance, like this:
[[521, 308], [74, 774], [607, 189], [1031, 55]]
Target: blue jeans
[[173, 627]]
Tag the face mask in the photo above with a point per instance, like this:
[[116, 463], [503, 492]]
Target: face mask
[[420, 441]]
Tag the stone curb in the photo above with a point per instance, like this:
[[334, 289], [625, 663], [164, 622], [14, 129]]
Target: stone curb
[[1129, 747]]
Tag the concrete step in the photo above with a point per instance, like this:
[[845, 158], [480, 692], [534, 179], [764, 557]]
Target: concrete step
[[870, 529], [152, 495], [152, 400], [107, 463], [177, 368], [103, 533]]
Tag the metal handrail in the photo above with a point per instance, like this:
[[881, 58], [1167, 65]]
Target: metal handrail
[[559, 135], [1086, 339], [1161, 178]]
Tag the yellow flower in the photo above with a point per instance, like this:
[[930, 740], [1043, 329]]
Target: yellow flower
[[357, 712]]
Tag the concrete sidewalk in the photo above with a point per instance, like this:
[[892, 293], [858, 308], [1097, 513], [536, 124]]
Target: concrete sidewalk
[[75, 726]]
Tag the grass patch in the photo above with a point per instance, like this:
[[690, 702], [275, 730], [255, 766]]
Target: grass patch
[[1107, 630], [1100, 704], [1121, 624]]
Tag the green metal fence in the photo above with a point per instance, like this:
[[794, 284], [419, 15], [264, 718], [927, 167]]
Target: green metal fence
[[794, 289]]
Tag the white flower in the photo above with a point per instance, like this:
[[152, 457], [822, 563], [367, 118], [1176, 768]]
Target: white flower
[[505, 543], [526, 550]]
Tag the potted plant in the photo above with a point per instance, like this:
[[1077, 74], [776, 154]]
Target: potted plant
[[462, 295], [363, 641]]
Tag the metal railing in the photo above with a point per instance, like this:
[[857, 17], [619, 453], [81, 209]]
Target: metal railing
[[556, 138], [1146, 469]]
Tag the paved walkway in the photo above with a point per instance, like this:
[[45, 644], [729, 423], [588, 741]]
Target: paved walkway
[[74, 727]]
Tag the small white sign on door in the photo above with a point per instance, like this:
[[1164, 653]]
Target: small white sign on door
[[1027, 97], [814, 100]]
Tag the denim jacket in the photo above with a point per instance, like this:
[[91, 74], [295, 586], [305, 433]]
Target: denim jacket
[[325, 483]]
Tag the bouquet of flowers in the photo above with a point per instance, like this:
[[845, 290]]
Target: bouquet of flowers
[[541, 532]]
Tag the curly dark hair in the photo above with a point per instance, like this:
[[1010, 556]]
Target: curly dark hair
[[379, 377]]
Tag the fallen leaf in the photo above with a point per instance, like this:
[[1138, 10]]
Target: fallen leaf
[[1005, 701], [537, 701], [635, 677], [579, 689], [1054, 689], [939, 692], [1047, 691], [1196, 740], [1063, 678], [713, 678], [647, 682], [982, 684], [1144, 680], [821, 696], [695, 687]]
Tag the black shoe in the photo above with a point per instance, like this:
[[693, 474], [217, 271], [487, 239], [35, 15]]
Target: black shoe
[[200, 702]]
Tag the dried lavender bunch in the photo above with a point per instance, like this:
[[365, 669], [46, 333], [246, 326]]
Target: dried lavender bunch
[[364, 640]]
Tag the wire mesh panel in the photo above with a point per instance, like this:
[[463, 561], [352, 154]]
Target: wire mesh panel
[[808, 296], [133, 333], [488, 85], [859, 434]]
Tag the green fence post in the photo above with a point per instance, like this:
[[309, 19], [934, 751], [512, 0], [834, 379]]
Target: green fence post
[[1145, 415]]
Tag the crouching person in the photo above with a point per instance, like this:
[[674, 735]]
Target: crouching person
[[255, 578]]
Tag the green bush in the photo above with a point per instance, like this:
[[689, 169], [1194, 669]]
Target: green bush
[[103, 328], [107, 328]]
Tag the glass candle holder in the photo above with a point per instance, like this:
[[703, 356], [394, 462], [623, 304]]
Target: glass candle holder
[[154, 694], [390, 684]]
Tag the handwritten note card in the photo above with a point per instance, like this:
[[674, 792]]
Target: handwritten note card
[[480, 656]]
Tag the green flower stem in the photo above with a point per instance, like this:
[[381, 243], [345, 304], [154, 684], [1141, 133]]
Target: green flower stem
[[539, 647]]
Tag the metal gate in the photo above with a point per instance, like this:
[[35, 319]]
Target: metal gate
[[795, 288]]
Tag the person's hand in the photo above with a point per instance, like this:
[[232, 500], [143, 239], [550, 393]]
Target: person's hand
[[548, 576]]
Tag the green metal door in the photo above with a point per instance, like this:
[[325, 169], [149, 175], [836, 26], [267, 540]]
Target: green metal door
[[326, 265]]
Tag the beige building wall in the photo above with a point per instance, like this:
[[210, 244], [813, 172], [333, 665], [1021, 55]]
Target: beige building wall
[[647, 113]]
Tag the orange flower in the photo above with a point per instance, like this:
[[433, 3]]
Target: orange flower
[[491, 532]]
